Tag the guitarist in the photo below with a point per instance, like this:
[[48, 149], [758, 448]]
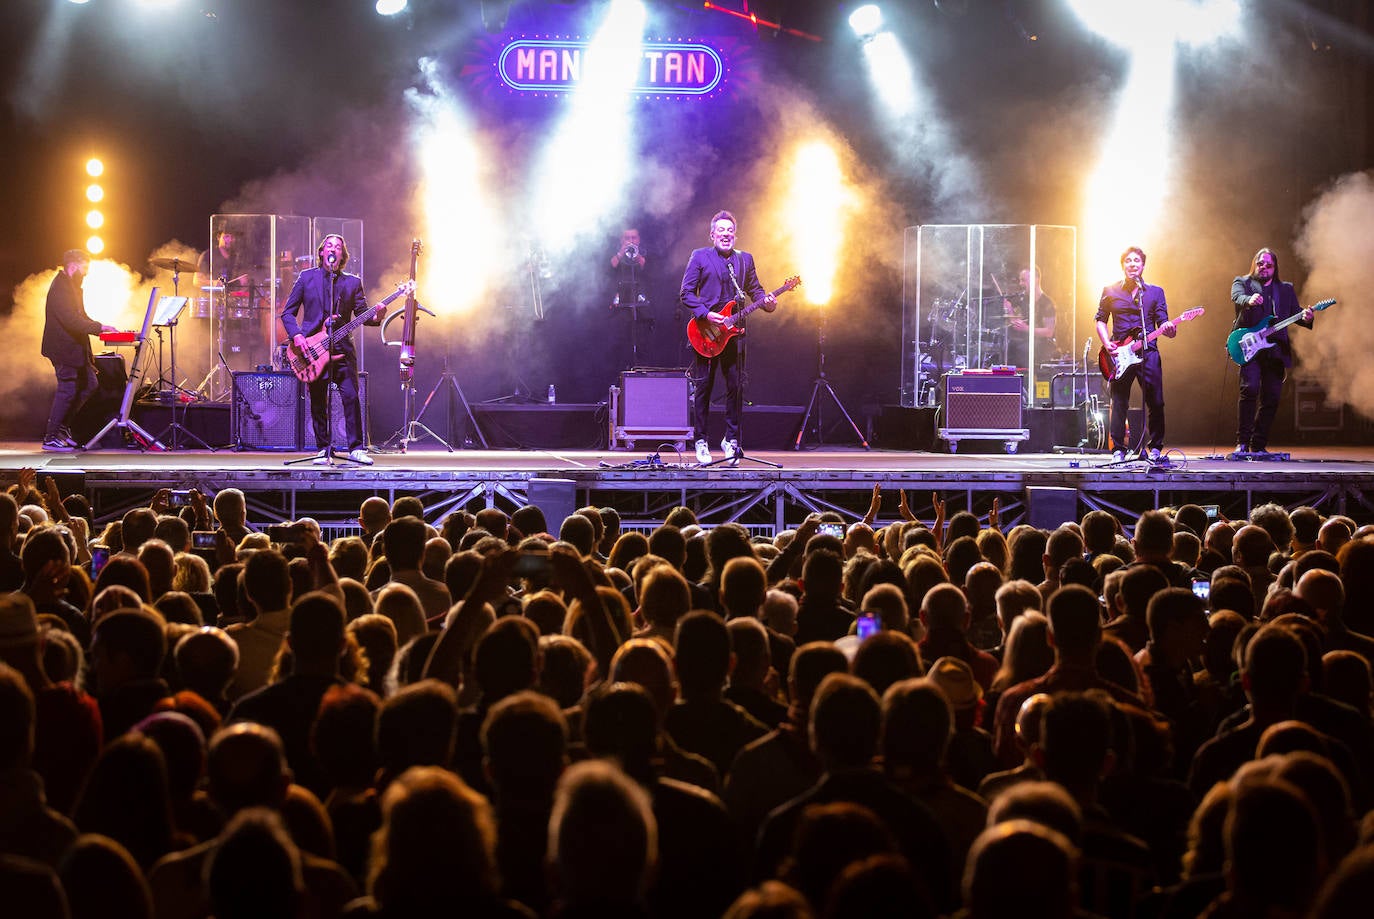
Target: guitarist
[[311, 297], [717, 274], [1258, 296], [1135, 309]]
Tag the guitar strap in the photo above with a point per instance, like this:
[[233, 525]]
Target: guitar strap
[[740, 297]]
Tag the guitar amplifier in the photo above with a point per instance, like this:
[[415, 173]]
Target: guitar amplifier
[[980, 405], [983, 400], [266, 411], [650, 405]]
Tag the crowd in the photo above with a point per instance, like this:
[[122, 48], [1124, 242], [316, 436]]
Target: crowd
[[497, 715]]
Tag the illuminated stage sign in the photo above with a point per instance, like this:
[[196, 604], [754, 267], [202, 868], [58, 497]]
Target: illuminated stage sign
[[558, 66]]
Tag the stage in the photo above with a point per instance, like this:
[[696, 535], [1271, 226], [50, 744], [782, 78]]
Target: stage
[[1041, 488]]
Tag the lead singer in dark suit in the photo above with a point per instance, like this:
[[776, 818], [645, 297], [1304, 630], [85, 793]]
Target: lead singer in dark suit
[[1136, 309], [716, 275], [1256, 296], [311, 297]]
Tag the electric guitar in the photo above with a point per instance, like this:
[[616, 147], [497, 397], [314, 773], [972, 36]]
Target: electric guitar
[[710, 339], [1244, 344], [308, 363], [1124, 354]]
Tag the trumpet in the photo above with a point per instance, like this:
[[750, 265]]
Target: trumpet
[[631, 252]]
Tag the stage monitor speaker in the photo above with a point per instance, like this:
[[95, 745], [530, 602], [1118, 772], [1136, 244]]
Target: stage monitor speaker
[[266, 411], [337, 423], [557, 498], [654, 399], [983, 401], [1048, 507]]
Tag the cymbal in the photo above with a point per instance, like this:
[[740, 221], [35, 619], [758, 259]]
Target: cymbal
[[172, 264]]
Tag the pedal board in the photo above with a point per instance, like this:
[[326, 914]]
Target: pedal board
[[1265, 457]]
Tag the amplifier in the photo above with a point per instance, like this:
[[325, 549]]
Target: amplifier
[[266, 411], [983, 401], [650, 405]]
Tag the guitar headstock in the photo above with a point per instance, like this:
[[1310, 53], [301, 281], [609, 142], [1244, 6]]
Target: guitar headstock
[[415, 247], [791, 283], [1189, 315], [1323, 304]]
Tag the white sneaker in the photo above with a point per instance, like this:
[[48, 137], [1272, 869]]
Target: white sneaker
[[321, 458], [360, 456], [703, 452], [731, 448]]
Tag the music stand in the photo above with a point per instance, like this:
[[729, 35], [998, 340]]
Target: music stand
[[136, 374]]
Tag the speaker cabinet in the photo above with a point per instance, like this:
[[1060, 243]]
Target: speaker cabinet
[[1049, 506], [983, 401], [337, 424], [557, 498], [266, 411], [650, 405]]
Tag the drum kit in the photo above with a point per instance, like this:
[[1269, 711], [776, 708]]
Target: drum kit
[[953, 339]]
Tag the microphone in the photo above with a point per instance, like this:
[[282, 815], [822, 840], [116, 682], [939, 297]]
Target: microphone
[[332, 259]]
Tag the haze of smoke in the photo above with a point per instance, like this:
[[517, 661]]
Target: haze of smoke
[[1336, 245]]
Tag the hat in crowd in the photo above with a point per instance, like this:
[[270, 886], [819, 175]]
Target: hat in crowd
[[18, 622], [955, 679]]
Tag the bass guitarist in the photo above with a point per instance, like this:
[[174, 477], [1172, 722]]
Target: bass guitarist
[[1258, 296], [717, 274], [319, 293], [1135, 309]]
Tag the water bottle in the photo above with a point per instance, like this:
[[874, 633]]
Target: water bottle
[[553, 397]]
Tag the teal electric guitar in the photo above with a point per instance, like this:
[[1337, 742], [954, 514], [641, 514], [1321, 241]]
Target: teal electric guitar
[[1244, 344]]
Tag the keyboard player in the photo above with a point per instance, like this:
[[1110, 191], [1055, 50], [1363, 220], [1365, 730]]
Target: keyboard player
[[67, 332]]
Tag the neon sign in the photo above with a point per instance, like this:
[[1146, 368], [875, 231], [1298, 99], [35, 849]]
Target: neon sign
[[558, 66]]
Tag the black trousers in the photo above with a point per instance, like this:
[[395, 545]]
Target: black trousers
[[701, 375], [1151, 377], [75, 384], [344, 372], [1261, 384]]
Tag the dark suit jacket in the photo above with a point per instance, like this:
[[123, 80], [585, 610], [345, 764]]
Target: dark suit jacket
[[1119, 306], [310, 298], [67, 330], [1280, 302], [706, 282]]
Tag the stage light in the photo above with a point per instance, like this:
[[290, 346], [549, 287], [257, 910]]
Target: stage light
[[390, 7], [587, 161], [94, 167], [820, 205], [95, 245], [464, 259], [890, 72], [866, 21], [95, 220], [1131, 23], [94, 193], [78, 2], [1134, 165]]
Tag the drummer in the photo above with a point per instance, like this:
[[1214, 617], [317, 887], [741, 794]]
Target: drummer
[[221, 262], [1015, 312]]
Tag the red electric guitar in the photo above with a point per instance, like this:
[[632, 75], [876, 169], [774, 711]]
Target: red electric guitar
[[710, 339], [1125, 354]]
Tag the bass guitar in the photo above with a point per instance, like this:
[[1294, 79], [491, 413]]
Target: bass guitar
[[308, 363], [1124, 354], [710, 339], [1244, 344]]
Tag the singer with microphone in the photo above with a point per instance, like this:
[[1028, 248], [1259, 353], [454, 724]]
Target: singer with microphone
[[715, 275], [327, 293], [1135, 309], [1258, 296]]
